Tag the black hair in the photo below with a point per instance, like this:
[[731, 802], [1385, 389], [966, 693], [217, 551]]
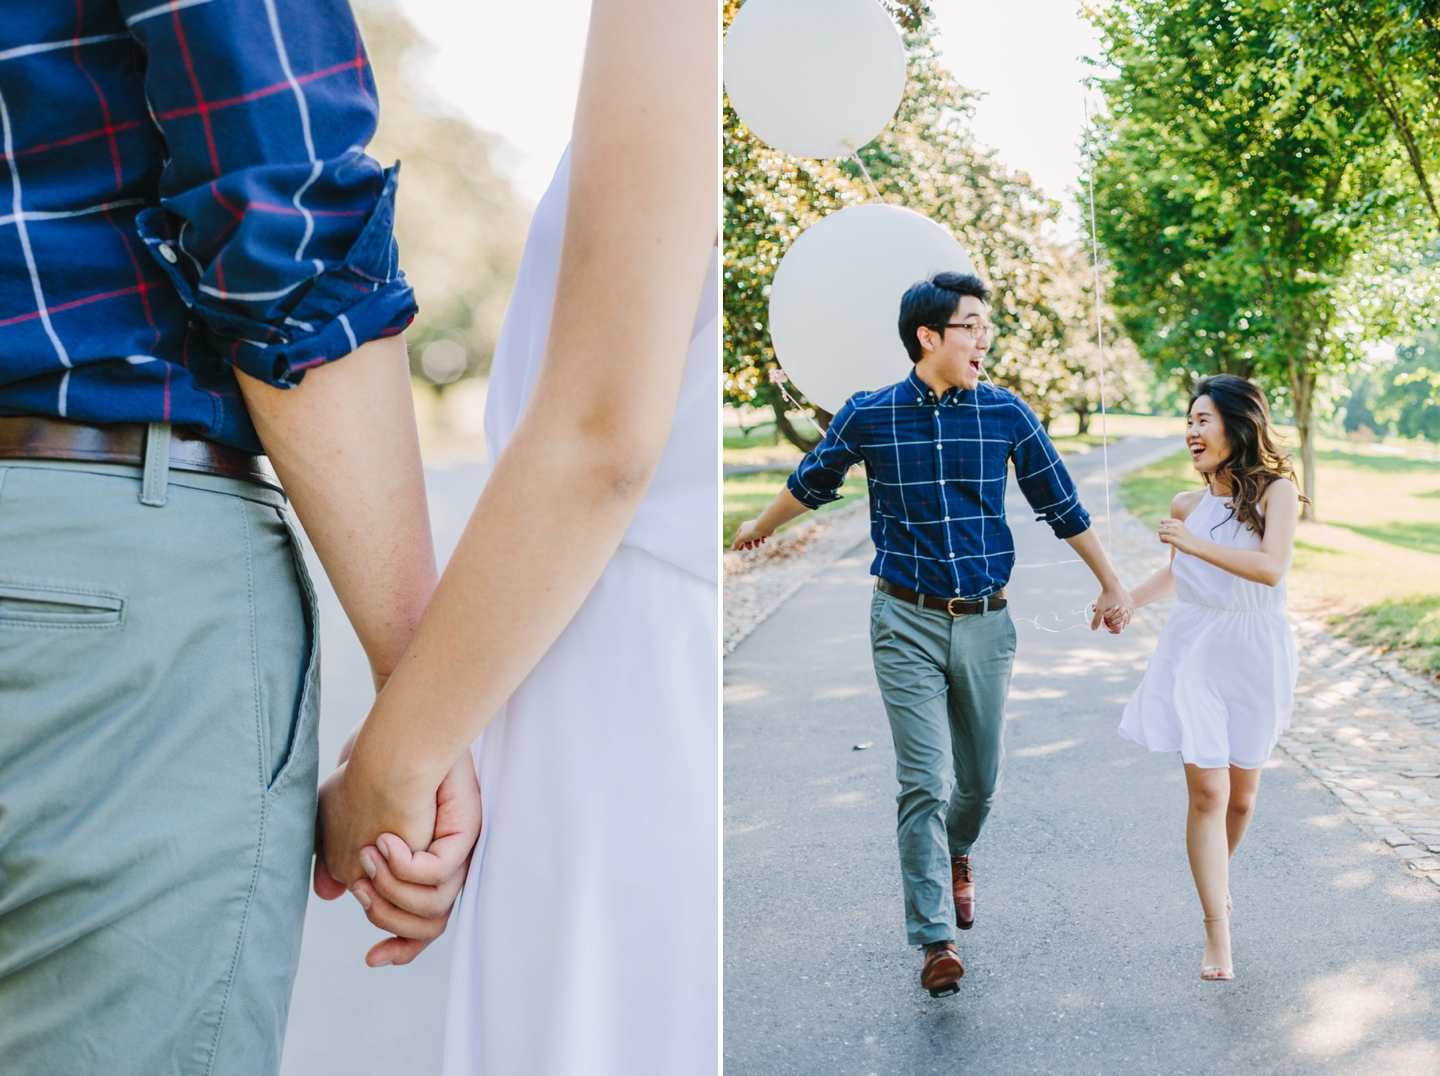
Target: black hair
[[931, 303], [1255, 461]]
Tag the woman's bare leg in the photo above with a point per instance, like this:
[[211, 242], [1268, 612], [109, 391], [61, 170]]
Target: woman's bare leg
[[1208, 846], [1244, 785]]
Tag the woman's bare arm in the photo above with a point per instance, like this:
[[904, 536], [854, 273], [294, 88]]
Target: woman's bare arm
[[640, 225], [1162, 584], [1280, 507]]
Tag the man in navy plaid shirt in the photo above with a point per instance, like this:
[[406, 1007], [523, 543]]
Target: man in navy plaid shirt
[[936, 447], [197, 262]]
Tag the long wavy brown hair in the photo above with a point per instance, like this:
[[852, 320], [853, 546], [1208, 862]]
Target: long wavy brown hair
[[1254, 461]]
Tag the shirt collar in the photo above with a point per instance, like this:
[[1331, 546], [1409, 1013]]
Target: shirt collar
[[922, 394]]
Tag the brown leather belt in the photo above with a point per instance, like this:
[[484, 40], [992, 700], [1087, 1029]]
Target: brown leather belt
[[42, 437], [953, 606]]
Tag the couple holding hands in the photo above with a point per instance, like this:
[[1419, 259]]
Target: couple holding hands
[[1219, 688], [204, 270]]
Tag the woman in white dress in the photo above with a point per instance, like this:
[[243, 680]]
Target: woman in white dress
[[1220, 686], [576, 625]]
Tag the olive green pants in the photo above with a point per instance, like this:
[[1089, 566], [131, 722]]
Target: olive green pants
[[158, 707], [944, 681]]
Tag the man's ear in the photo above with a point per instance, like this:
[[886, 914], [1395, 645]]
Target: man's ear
[[926, 337]]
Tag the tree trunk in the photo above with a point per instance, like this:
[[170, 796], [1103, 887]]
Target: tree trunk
[[1082, 411], [1302, 391], [793, 435]]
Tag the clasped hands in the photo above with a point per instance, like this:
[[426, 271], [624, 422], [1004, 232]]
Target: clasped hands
[[1112, 608], [402, 849]]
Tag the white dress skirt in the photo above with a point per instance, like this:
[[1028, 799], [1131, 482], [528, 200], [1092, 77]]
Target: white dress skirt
[[1221, 685], [587, 935]]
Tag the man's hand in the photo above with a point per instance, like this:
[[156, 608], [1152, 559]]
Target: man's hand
[[750, 536], [407, 893]]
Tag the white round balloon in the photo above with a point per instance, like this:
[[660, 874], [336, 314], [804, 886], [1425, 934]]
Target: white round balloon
[[814, 77], [835, 300]]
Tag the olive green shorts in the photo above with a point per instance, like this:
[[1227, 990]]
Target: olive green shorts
[[159, 694]]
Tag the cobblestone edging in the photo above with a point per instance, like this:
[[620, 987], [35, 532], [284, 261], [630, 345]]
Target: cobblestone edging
[[1370, 732], [758, 581]]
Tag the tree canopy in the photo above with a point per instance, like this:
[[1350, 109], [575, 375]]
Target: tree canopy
[[1252, 205]]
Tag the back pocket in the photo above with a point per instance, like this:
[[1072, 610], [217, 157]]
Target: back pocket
[[58, 606]]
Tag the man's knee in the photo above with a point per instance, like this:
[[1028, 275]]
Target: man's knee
[[919, 796]]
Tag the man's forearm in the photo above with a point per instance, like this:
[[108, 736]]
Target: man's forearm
[[785, 507], [1087, 544], [345, 447]]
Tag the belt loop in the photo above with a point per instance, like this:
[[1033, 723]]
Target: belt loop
[[157, 465]]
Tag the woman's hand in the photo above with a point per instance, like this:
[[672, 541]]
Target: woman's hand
[[1174, 533]]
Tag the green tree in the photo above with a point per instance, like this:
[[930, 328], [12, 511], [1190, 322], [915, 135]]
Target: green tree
[[1253, 211], [1384, 52]]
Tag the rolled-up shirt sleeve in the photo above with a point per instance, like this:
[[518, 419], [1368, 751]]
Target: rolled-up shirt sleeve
[[1043, 478], [822, 471], [274, 226]]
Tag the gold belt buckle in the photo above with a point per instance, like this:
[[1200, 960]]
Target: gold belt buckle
[[950, 606]]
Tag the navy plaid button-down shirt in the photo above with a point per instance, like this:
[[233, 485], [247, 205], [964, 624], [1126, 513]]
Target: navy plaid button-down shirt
[[188, 194], [936, 471]]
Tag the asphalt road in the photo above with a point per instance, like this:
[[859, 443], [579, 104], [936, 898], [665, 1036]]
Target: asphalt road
[[1086, 951], [346, 1017]]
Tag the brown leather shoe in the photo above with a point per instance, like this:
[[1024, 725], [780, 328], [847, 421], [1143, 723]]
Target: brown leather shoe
[[943, 971], [962, 886]]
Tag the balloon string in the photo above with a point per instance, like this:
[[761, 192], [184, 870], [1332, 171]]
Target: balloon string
[[1099, 323], [855, 156], [777, 378], [1034, 621]]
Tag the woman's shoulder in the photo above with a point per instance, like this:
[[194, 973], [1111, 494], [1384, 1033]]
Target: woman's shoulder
[[1186, 502], [1280, 487]]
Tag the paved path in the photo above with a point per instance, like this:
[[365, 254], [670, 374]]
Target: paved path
[[1085, 956], [345, 1017]]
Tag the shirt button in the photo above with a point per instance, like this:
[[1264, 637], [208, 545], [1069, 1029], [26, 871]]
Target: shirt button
[[939, 448], [167, 253]]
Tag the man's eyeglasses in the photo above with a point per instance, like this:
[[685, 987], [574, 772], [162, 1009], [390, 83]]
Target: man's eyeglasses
[[975, 329]]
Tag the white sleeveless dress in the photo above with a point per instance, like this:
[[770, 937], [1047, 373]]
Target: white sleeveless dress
[[587, 935], [1221, 685]]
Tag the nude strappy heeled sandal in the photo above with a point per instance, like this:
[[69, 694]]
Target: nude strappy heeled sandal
[[1216, 972]]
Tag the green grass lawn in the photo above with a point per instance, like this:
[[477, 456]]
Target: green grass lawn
[[1371, 566], [746, 496]]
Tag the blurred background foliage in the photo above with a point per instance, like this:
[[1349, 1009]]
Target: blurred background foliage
[[1399, 398], [460, 227]]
